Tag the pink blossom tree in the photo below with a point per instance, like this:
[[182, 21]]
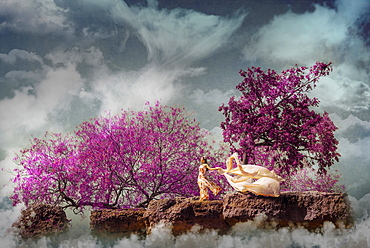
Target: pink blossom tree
[[115, 161], [47, 170], [273, 122], [307, 179]]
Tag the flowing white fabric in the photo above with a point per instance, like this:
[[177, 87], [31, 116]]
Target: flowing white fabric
[[240, 178]]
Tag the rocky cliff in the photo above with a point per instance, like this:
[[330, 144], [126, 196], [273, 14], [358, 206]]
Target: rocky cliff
[[308, 209], [40, 220], [118, 222], [290, 209]]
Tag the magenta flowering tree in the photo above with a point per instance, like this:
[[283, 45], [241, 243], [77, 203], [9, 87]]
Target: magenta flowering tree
[[307, 179], [47, 170], [146, 155], [115, 161], [273, 122]]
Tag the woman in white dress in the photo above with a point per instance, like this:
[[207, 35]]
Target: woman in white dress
[[204, 182]]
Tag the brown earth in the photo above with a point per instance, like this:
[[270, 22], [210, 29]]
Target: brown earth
[[117, 222], [41, 220], [309, 209], [291, 209], [183, 213]]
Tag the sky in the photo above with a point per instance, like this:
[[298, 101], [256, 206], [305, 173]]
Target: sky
[[65, 61]]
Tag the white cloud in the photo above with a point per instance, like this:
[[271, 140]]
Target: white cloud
[[322, 35], [133, 89], [354, 163], [214, 97], [343, 91], [175, 40], [46, 103], [27, 113], [91, 56], [351, 120], [179, 36], [358, 150], [300, 38], [352, 10], [34, 16], [19, 76], [19, 54]]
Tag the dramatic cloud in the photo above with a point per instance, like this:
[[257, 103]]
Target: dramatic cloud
[[76, 80], [77, 59], [324, 34], [175, 40], [64, 61], [179, 36], [327, 34]]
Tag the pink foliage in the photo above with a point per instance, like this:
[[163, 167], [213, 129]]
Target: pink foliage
[[47, 170], [308, 179], [115, 161], [273, 122]]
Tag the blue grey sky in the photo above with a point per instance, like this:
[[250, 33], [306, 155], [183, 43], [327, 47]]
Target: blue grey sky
[[65, 61]]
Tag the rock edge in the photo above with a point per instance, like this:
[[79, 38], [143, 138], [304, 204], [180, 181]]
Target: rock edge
[[291, 209]]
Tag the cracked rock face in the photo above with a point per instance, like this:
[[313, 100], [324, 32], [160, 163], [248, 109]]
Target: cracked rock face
[[291, 209], [117, 222], [183, 213], [309, 209], [306, 209], [41, 220]]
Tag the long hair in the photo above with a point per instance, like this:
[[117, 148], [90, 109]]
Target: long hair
[[203, 160]]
